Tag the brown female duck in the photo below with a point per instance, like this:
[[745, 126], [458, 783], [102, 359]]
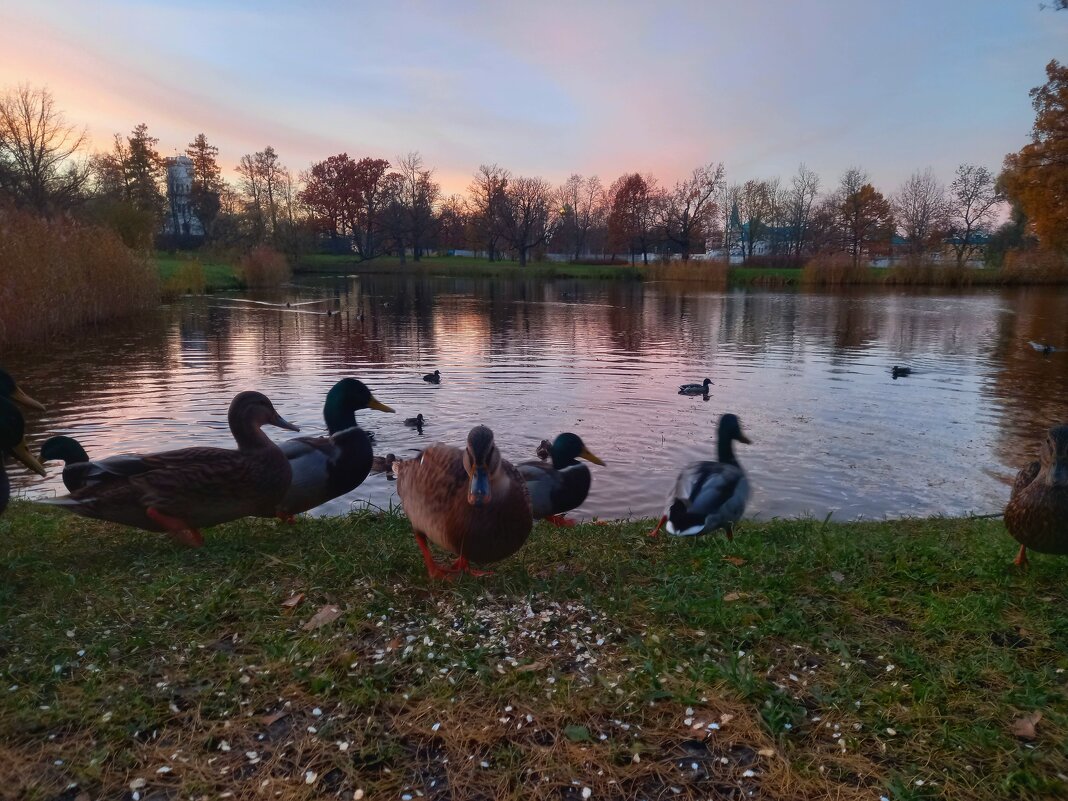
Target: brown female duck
[[468, 501], [1037, 512], [182, 491]]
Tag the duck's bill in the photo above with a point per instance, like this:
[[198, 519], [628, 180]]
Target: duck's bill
[[22, 453], [377, 405], [25, 400], [281, 422], [589, 457], [744, 439], [478, 493]]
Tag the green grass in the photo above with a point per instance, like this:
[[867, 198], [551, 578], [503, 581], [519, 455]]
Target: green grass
[[838, 661], [466, 267], [217, 275], [764, 276]]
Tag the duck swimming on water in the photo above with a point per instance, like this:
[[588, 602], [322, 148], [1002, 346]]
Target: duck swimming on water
[[900, 372], [696, 389], [709, 495], [433, 378]]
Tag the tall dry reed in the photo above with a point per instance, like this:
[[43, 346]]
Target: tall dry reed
[[1035, 267], [56, 275], [711, 274], [263, 267], [836, 270]]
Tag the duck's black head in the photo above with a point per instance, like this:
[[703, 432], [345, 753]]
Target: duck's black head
[[706, 383], [730, 431], [481, 460], [344, 399], [568, 448], [1055, 456], [63, 449], [10, 389], [12, 433]]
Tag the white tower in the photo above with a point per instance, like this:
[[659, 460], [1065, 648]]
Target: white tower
[[180, 219]]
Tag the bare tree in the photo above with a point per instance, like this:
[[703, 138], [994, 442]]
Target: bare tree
[[920, 211], [755, 205], [688, 210], [263, 180], [485, 205], [419, 195], [582, 206], [528, 215], [801, 199], [40, 165], [973, 201]]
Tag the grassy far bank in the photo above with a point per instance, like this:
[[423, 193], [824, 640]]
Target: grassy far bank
[[217, 275], [802, 661]]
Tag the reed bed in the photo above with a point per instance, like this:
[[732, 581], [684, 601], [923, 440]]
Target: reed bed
[[56, 275], [1035, 267], [710, 274], [263, 267], [837, 271]]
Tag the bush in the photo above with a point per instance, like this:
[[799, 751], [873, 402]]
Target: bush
[[58, 274], [263, 267]]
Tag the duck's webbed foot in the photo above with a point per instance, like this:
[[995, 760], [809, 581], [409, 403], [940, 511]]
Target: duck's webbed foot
[[433, 569], [1021, 558], [176, 528], [656, 531], [560, 521], [461, 565]]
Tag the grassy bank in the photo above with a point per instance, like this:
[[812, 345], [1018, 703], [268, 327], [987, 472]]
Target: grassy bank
[[465, 267], [185, 274], [802, 661]]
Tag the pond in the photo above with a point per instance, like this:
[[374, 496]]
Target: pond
[[809, 375]]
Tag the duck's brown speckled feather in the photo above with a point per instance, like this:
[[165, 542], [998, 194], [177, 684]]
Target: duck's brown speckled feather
[[433, 488], [1037, 514]]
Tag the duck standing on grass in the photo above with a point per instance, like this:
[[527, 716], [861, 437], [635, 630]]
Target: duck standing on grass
[[328, 467], [562, 485], [12, 441], [1037, 512], [69, 451], [709, 495], [468, 501], [182, 491]]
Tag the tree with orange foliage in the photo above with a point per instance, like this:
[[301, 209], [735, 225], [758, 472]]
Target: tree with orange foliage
[[1036, 178], [864, 214]]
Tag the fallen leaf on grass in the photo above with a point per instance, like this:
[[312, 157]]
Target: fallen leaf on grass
[[766, 752], [1024, 727], [734, 596], [274, 717], [328, 614], [737, 561], [531, 667], [293, 600]]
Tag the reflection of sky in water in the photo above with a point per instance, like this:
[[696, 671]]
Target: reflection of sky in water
[[809, 375]]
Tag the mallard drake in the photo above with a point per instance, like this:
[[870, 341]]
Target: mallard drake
[[12, 391], [696, 389], [468, 501], [1037, 513], [12, 433], [433, 378], [325, 468], [709, 495], [416, 422], [562, 485], [900, 372], [182, 491], [69, 451]]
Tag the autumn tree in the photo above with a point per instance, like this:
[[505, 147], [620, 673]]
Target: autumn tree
[[1036, 178], [921, 211], [632, 214], [452, 223], [687, 211], [582, 207], [527, 215], [207, 181], [486, 200], [262, 181], [332, 196], [865, 216], [372, 185], [973, 202], [41, 166], [418, 195]]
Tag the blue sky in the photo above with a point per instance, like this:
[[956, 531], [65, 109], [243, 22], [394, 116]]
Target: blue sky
[[551, 88]]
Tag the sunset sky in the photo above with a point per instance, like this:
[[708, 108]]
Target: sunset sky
[[552, 87]]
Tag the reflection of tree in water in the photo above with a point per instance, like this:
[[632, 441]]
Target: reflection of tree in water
[[1031, 388]]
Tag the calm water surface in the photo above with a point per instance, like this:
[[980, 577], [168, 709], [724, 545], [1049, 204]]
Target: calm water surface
[[808, 374]]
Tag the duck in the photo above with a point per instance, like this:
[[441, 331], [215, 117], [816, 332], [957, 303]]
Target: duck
[[544, 450], [69, 451], [900, 372], [433, 378], [696, 389], [384, 464], [10, 389], [1037, 513], [182, 491], [1043, 347], [709, 495], [328, 467], [559, 486], [416, 422], [12, 441], [468, 501]]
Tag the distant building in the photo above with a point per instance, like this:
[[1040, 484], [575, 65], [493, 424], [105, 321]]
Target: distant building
[[180, 219]]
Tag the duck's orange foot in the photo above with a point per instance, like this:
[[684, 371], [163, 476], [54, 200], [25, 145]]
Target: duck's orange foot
[[176, 528], [461, 565], [1021, 558], [560, 521], [656, 531]]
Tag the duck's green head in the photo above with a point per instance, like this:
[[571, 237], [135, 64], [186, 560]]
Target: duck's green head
[[568, 448], [1056, 456], [9, 389], [346, 398], [12, 436], [63, 449]]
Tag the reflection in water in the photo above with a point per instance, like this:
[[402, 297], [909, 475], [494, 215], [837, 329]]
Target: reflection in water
[[809, 375]]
